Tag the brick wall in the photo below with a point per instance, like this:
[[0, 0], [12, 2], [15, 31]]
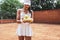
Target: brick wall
[[47, 16], [7, 21]]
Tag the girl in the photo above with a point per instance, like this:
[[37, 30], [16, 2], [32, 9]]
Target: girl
[[24, 30]]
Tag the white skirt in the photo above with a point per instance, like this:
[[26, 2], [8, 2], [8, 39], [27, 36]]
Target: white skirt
[[24, 29]]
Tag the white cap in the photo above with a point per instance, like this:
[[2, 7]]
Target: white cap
[[27, 2]]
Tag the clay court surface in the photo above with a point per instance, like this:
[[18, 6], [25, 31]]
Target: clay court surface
[[40, 31]]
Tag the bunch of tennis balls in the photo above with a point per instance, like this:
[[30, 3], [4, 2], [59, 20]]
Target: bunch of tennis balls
[[27, 18]]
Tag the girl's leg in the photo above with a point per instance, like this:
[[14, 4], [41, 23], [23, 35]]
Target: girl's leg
[[20, 37], [27, 37]]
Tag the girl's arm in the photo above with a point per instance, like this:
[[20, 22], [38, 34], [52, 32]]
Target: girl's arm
[[18, 16], [32, 14]]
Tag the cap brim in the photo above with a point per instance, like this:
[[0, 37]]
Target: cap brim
[[27, 4]]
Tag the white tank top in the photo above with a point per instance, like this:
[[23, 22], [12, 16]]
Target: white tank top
[[22, 14]]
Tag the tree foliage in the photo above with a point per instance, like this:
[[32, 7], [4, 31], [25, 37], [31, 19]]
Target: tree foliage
[[45, 4], [9, 8]]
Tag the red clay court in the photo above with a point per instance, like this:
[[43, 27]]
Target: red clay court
[[40, 31]]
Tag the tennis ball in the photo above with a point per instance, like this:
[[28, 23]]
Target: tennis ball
[[26, 16], [31, 20]]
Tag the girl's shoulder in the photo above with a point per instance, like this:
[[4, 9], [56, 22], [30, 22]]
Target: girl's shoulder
[[19, 9]]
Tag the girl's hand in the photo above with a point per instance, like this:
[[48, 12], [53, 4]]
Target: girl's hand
[[25, 21], [30, 20]]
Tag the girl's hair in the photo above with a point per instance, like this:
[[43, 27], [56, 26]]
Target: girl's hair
[[29, 9]]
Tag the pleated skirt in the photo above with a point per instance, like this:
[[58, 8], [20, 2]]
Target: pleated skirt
[[24, 29]]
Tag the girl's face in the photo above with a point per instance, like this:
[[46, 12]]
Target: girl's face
[[26, 7]]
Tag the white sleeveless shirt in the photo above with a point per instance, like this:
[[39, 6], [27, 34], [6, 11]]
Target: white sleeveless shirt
[[22, 14]]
